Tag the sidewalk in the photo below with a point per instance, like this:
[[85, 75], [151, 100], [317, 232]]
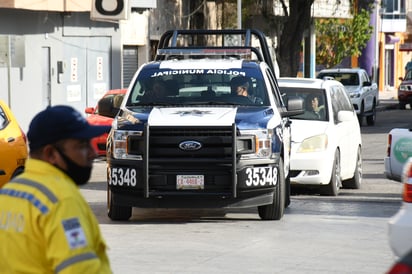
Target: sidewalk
[[388, 99], [388, 94]]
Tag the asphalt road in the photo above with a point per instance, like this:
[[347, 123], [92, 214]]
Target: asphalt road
[[344, 234]]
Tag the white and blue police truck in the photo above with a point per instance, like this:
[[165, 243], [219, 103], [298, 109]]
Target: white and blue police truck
[[183, 137]]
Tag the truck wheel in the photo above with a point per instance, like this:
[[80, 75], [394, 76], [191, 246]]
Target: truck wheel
[[274, 211], [370, 120], [361, 113], [332, 189], [117, 213], [356, 180], [402, 105]]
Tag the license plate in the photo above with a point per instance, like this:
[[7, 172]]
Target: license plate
[[190, 182]]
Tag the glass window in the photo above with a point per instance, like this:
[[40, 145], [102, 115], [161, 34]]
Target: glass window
[[315, 104], [199, 87]]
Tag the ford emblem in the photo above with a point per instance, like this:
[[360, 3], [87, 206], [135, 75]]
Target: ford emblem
[[190, 145]]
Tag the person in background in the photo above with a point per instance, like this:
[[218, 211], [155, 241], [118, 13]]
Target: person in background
[[241, 86], [158, 91], [46, 226], [313, 109]]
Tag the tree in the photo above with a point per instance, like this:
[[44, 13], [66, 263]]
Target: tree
[[290, 28], [295, 22], [337, 39]]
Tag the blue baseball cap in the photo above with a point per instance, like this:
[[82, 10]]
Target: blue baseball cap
[[60, 122]]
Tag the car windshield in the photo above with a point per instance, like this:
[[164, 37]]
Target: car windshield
[[346, 78], [155, 86], [315, 106], [408, 75]]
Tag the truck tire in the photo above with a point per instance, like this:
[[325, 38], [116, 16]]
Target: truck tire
[[332, 189], [356, 180], [402, 105], [370, 120], [361, 114], [117, 213], [287, 192], [275, 210]]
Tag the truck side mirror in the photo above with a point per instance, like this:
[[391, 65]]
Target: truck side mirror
[[106, 107]]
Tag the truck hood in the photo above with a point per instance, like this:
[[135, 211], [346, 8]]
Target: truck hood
[[244, 117], [303, 129], [192, 116]]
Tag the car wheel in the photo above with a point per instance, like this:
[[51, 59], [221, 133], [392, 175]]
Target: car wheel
[[332, 189], [356, 180], [274, 211], [287, 192], [370, 120], [117, 213], [360, 115], [402, 105]]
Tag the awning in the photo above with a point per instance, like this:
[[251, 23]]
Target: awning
[[391, 39]]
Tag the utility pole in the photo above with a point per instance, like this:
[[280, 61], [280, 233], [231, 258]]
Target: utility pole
[[239, 14]]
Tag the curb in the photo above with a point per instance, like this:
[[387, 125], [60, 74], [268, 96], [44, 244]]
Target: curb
[[387, 104]]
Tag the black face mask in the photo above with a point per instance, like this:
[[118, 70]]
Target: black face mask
[[79, 174]]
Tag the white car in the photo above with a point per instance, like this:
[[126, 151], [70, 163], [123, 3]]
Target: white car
[[400, 225], [325, 150]]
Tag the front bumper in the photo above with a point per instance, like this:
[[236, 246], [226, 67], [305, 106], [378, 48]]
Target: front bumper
[[221, 187], [312, 168]]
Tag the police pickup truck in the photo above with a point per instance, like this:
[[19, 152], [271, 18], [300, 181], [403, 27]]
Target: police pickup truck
[[184, 137]]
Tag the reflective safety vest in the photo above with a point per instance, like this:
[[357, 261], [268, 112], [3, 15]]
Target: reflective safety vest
[[46, 226]]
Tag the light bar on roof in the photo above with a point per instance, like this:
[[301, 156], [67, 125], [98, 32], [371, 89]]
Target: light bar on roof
[[205, 51]]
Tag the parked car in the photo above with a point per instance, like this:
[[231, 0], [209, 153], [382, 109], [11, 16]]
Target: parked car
[[13, 145], [399, 149], [400, 225], [363, 94], [405, 90], [94, 118], [326, 148]]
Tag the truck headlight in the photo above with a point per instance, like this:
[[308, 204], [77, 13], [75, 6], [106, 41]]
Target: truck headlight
[[355, 94], [314, 144], [405, 88], [123, 144], [255, 143]]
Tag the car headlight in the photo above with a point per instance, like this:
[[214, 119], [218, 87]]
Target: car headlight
[[255, 143], [314, 144], [405, 88], [127, 144], [354, 94]]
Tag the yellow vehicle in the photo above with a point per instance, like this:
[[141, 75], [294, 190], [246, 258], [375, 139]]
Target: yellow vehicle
[[13, 145]]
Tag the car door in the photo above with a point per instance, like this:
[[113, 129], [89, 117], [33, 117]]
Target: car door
[[346, 131]]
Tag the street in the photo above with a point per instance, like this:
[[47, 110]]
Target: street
[[318, 234]]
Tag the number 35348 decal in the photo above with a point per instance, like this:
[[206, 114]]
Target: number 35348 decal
[[261, 176]]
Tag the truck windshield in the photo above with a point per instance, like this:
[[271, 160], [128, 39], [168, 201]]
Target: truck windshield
[[199, 87], [346, 78]]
